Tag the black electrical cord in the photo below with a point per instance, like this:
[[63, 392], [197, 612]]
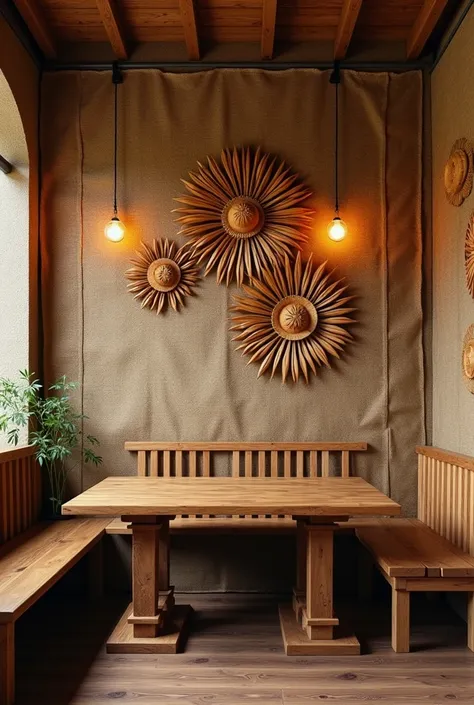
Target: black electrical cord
[[336, 149], [117, 78], [335, 79], [115, 145]]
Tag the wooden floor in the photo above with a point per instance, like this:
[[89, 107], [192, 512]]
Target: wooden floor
[[235, 656]]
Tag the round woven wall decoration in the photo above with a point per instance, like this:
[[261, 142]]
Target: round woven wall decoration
[[458, 172], [294, 320], [468, 358], [162, 274], [469, 255], [243, 213]]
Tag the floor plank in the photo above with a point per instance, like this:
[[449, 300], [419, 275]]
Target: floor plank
[[234, 656]]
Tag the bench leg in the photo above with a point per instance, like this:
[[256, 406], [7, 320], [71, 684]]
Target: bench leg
[[7, 664], [400, 621], [95, 572], [470, 620]]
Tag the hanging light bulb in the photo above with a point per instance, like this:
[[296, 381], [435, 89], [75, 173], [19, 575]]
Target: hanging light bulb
[[337, 228], [115, 229]]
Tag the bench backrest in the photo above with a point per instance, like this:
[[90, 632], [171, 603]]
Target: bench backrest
[[446, 494], [247, 459]]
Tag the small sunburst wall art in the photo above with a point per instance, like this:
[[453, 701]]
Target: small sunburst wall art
[[459, 172], [162, 274], [468, 359], [469, 255], [243, 213], [294, 321]]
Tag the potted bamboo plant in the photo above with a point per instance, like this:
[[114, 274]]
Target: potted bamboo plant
[[54, 428]]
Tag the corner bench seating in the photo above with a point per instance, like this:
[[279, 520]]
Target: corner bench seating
[[30, 564], [434, 553], [258, 459]]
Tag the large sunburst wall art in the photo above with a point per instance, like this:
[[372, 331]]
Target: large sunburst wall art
[[162, 274], [469, 255], [244, 213], [294, 320]]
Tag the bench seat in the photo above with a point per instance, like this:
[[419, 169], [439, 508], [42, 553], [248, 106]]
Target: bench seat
[[228, 525], [30, 564], [413, 557]]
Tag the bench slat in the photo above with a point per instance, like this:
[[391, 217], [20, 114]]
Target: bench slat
[[154, 463], [31, 566]]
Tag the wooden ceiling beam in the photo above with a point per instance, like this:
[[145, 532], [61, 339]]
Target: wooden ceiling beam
[[38, 27], [269, 13], [113, 26], [345, 30], [191, 37], [424, 25]]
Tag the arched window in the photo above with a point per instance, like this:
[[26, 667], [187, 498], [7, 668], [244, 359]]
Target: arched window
[[14, 247]]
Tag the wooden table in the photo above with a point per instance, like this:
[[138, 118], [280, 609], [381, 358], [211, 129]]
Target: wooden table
[[154, 624]]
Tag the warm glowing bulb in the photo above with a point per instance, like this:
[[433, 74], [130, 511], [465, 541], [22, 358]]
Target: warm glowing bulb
[[114, 230], [337, 229]]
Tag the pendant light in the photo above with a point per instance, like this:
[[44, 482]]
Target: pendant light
[[115, 229], [337, 229]]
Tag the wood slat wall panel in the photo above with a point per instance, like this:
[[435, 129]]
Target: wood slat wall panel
[[20, 492], [446, 495]]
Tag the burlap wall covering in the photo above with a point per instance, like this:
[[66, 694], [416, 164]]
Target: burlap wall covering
[[177, 377]]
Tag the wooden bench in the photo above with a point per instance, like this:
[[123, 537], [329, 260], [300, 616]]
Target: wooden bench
[[434, 553], [244, 460], [30, 564]]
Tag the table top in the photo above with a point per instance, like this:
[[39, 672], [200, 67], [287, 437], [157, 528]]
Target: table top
[[328, 496]]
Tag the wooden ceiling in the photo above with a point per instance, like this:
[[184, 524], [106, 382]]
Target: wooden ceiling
[[125, 24]]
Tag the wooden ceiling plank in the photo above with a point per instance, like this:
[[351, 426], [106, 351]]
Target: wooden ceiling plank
[[424, 25], [38, 27], [269, 13], [347, 22], [191, 37], [113, 26]]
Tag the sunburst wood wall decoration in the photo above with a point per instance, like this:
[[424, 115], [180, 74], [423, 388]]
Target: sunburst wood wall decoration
[[469, 255], [468, 358], [294, 320], [162, 274], [458, 172], [243, 214]]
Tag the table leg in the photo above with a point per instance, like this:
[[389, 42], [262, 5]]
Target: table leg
[[146, 616], [318, 618], [152, 623], [314, 605]]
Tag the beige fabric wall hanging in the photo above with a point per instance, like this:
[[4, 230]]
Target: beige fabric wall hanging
[[468, 358], [469, 255], [458, 172], [294, 320], [183, 380], [162, 274], [243, 214]]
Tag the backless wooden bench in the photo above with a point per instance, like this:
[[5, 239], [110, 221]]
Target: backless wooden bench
[[434, 553], [256, 459]]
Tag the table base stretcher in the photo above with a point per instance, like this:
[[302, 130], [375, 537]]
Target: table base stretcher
[[309, 626]]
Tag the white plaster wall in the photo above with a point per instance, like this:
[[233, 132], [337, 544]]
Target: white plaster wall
[[453, 308], [13, 240]]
